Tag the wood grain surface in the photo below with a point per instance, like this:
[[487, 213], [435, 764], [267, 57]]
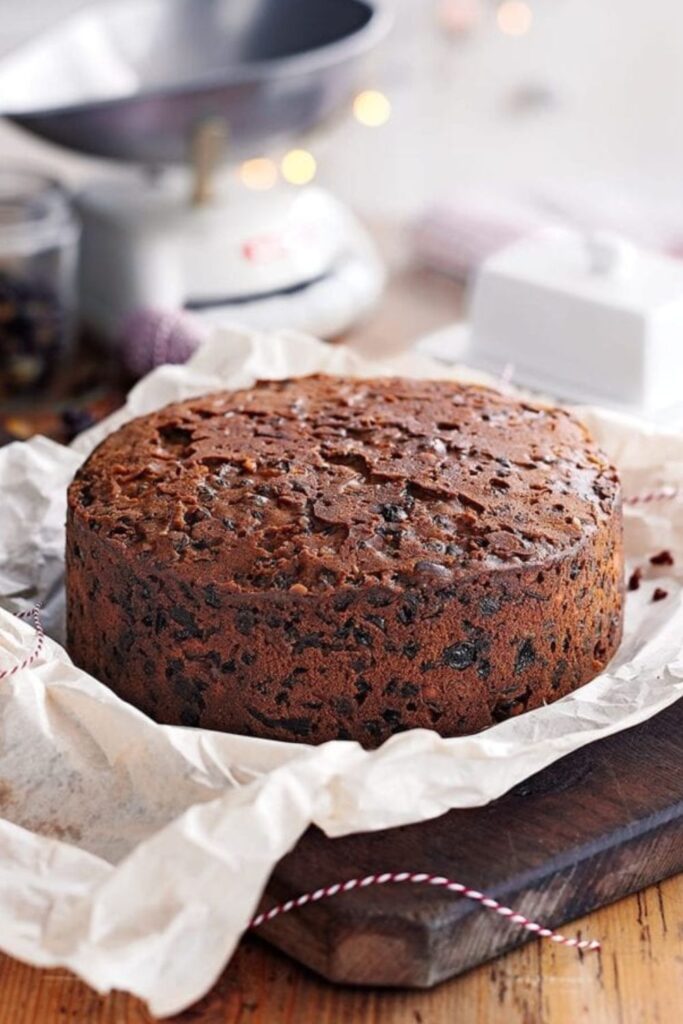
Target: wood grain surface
[[637, 977]]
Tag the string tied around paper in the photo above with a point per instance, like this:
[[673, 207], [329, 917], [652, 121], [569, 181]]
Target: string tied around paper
[[664, 493], [33, 614], [424, 878]]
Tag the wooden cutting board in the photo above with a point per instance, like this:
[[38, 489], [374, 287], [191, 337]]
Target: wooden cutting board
[[600, 823]]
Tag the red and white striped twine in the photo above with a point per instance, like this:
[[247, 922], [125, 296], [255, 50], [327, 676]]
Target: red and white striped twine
[[647, 497], [34, 614], [422, 877]]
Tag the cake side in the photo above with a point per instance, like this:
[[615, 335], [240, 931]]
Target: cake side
[[359, 663], [421, 595]]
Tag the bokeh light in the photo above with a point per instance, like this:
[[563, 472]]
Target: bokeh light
[[514, 17], [371, 108], [259, 173], [298, 167]]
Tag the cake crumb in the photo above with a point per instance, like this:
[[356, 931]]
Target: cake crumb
[[298, 588], [634, 579], [663, 558], [659, 594]]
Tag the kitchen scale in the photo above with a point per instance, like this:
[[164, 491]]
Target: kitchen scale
[[186, 89]]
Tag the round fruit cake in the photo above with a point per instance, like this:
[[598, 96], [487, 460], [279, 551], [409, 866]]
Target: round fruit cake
[[328, 558]]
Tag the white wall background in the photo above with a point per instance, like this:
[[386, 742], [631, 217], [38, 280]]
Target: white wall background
[[613, 69]]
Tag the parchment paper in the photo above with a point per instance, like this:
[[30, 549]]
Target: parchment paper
[[135, 854]]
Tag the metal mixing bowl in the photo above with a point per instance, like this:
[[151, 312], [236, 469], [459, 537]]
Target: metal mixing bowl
[[132, 79]]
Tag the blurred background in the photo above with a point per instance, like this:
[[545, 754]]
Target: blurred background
[[512, 93], [330, 166]]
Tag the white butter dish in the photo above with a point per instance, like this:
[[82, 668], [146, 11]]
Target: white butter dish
[[583, 317]]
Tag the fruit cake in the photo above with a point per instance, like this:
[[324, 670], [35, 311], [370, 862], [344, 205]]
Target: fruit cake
[[324, 558]]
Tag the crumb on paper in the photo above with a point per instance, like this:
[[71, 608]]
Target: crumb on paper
[[634, 579], [659, 594], [663, 558]]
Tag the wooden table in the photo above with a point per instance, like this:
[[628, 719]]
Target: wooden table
[[637, 978]]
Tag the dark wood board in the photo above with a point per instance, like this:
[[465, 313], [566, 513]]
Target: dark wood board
[[595, 826]]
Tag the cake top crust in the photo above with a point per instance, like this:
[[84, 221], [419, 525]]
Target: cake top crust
[[320, 481]]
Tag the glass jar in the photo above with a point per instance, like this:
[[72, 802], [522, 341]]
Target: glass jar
[[38, 251]]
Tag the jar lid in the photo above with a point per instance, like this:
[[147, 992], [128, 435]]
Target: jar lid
[[35, 212]]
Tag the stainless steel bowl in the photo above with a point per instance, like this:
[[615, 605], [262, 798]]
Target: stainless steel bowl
[[132, 79]]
